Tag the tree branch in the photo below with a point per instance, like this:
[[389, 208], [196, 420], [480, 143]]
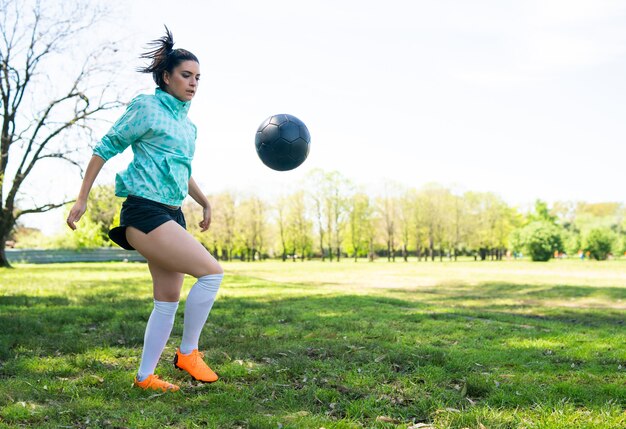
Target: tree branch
[[20, 176], [41, 209], [63, 157]]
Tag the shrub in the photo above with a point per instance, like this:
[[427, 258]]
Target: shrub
[[599, 242], [541, 239]]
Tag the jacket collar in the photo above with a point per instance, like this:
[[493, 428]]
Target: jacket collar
[[177, 107]]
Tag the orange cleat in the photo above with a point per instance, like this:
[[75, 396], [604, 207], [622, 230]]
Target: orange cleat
[[195, 366], [155, 383]]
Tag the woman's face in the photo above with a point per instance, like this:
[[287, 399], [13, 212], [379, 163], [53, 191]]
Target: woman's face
[[182, 83]]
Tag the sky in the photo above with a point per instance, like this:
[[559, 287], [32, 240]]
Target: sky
[[521, 98]]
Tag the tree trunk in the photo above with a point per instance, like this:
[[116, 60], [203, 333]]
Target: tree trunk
[[432, 248], [4, 262], [6, 225]]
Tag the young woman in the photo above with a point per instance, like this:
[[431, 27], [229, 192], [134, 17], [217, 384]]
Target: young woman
[[155, 183]]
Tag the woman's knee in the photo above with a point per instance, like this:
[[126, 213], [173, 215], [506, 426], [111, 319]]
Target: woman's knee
[[212, 267], [218, 269]]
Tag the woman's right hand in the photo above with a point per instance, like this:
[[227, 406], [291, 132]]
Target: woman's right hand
[[78, 209]]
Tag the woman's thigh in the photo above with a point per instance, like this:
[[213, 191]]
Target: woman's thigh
[[172, 248]]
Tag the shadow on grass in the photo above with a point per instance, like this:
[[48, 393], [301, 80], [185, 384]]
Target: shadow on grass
[[517, 291], [585, 305]]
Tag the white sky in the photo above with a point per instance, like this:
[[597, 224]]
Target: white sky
[[521, 98]]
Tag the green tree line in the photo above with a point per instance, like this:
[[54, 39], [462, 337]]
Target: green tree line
[[331, 218]]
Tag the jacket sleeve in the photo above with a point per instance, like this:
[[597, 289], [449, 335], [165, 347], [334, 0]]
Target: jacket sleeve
[[130, 127]]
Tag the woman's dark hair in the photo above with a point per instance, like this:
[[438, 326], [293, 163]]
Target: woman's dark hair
[[164, 57]]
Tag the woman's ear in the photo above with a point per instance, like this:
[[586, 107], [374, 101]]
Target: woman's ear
[[166, 77]]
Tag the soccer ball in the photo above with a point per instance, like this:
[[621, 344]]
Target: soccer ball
[[282, 142]]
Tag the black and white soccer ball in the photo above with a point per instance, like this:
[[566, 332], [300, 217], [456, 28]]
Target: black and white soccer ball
[[282, 142]]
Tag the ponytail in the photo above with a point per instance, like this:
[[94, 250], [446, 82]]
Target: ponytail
[[164, 57]]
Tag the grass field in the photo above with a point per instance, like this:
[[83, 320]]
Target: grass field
[[312, 345]]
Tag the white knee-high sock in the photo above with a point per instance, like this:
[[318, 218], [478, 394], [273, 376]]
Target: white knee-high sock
[[197, 308], [158, 331]]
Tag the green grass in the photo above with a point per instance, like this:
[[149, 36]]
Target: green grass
[[310, 345]]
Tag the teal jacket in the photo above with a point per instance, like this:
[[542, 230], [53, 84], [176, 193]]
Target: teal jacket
[[163, 141]]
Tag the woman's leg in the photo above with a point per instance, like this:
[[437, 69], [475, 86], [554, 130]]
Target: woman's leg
[[197, 308], [172, 249], [166, 287]]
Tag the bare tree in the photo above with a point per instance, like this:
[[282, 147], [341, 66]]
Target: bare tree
[[360, 221], [40, 113], [317, 195], [251, 227], [336, 190], [299, 227], [227, 207], [406, 208], [388, 209], [281, 220]]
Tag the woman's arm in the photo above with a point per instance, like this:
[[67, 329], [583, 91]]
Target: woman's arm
[[80, 206], [200, 198]]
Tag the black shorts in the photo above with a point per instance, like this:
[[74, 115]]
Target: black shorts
[[145, 215]]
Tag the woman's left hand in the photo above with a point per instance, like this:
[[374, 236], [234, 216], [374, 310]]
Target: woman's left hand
[[206, 219]]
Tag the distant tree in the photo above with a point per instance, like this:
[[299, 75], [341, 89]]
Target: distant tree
[[435, 215], [193, 216], [491, 223], [299, 227], [251, 230], [419, 223], [23, 237], [599, 243], [388, 208], [458, 230], [572, 241], [316, 195], [281, 222], [224, 222], [359, 223], [542, 213], [541, 239], [86, 237], [43, 113], [406, 207], [620, 245], [103, 208], [334, 190]]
